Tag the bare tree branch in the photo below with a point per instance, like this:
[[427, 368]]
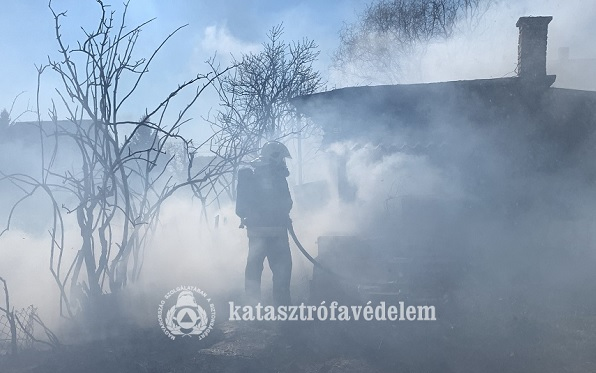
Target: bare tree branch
[[374, 47], [120, 171]]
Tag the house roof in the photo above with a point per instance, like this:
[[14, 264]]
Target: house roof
[[370, 112], [534, 126], [25, 131]]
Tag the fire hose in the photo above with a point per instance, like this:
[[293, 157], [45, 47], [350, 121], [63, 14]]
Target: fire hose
[[307, 255], [303, 250]]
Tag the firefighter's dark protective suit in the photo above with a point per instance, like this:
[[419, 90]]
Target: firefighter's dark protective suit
[[264, 204]]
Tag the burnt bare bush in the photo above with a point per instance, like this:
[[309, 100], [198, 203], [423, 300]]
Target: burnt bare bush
[[107, 175], [255, 97], [388, 31], [17, 327]]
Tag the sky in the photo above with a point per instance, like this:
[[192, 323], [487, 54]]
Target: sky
[[230, 28], [226, 27]]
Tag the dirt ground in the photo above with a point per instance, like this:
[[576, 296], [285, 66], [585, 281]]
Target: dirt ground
[[464, 345]]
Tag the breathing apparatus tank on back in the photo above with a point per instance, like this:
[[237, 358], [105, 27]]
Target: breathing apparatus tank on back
[[250, 195]]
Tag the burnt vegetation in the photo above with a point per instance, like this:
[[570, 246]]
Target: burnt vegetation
[[120, 174], [454, 194], [255, 97], [110, 176], [388, 32]]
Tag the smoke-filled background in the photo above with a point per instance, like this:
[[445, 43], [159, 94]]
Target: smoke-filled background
[[509, 213]]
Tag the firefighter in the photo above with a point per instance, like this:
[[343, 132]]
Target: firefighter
[[263, 204]]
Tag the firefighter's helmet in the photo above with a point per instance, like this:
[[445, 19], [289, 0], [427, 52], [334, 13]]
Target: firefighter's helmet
[[274, 152]]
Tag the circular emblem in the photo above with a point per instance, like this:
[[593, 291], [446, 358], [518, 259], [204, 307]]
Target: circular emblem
[[186, 311]]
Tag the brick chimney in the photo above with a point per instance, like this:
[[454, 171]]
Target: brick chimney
[[531, 56]]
